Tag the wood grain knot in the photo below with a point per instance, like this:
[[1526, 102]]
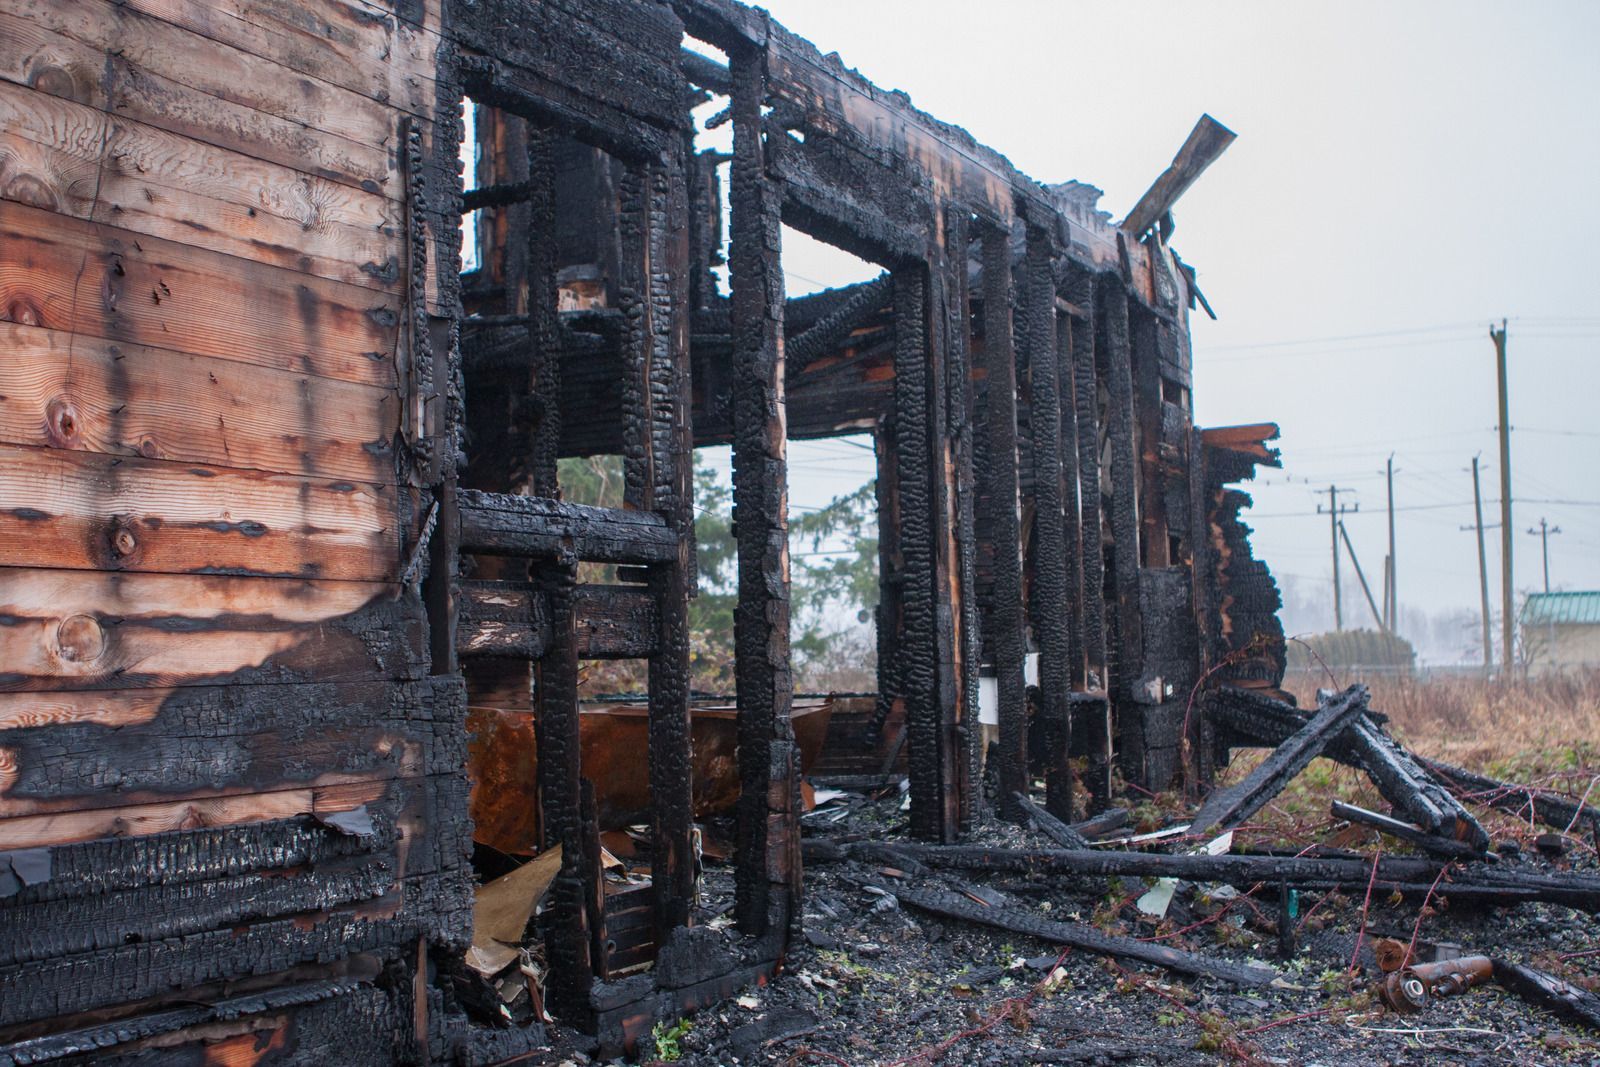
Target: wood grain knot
[[80, 639], [62, 426]]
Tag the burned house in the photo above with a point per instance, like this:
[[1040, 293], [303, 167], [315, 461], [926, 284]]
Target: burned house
[[280, 496]]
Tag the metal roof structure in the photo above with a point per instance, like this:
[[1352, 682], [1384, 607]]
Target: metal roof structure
[[1562, 608]]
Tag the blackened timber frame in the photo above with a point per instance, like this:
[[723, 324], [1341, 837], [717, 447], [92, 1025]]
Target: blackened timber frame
[[768, 855], [1049, 600], [1003, 625]]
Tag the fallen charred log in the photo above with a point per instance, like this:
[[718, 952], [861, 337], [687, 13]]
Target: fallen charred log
[[1549, 992], [1556, 812], [1018, 921], [1438, 846], [1392, 873], [1049, 825]]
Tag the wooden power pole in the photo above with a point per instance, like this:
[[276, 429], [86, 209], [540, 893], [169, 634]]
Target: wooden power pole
[[1544, 531], [1483, 567], [1391, 599], [1336, 509], [1506, 649]]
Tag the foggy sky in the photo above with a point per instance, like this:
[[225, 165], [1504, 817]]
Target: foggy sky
[[1404, 174]]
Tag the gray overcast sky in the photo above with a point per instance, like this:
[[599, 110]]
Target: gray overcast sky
[[1404, 173]]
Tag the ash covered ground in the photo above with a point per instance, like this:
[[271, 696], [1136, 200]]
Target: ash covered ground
[[875, 981]]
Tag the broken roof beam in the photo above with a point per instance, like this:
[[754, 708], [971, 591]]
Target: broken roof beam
[[834, 329], [1430, 843], [1229, 807], [504, 524], [1205, 143]]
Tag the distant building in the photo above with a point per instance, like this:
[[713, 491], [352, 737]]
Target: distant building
[[1561, 630]]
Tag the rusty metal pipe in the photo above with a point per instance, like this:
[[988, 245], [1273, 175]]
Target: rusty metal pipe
[[1408, 989]]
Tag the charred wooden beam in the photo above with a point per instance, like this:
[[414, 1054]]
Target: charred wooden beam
[[1430, 843], [501, 620], [1050, 601], [1575, 891], [1399, 778], [1004, 624], [1554, 811], [1092, 726], [933, 815], [1078, 935], [568, 928], [671, 583], [1124, 639], [502, 524], [769, 839], [1071, 513], [1205, 143], [834, 329], [1549, 992], [1049, 825], [544, 327], [959, 426], [1229, 807], [499, 195], [705, 72]]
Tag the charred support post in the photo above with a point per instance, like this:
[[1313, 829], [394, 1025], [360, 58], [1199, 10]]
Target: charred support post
[[1049, 601], [1123, 629], [567, 937], [1095, 724], [1005, 622], [657, 471], [769, 838], [934, 807], [886, 489], [958, 422], [1071, 516], [543, 324]]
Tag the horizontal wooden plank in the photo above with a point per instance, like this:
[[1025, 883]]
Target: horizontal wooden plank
[[203, 742], [34, 55], [614, 622], [77, 160], [135, 820], [123, 399], [218, 70], [95, 280], [502, 524], [71, 630], [501, 619], [511, 620], [337, 41], [95, 512], [429, 814], [438, 907]]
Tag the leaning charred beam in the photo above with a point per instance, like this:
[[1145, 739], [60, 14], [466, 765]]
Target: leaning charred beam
[[1398, 776], [1078, 935], [1050, 602], [1575, 891], [1437, 846], [833, 329], [503, 524], [1229, 807], [768, 840], [1005, 621]]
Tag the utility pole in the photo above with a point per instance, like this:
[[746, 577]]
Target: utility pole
[[1391, 599], [1506, 651], [1336, 509], [1483, 568], [1365, 589], [1544, 531]]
